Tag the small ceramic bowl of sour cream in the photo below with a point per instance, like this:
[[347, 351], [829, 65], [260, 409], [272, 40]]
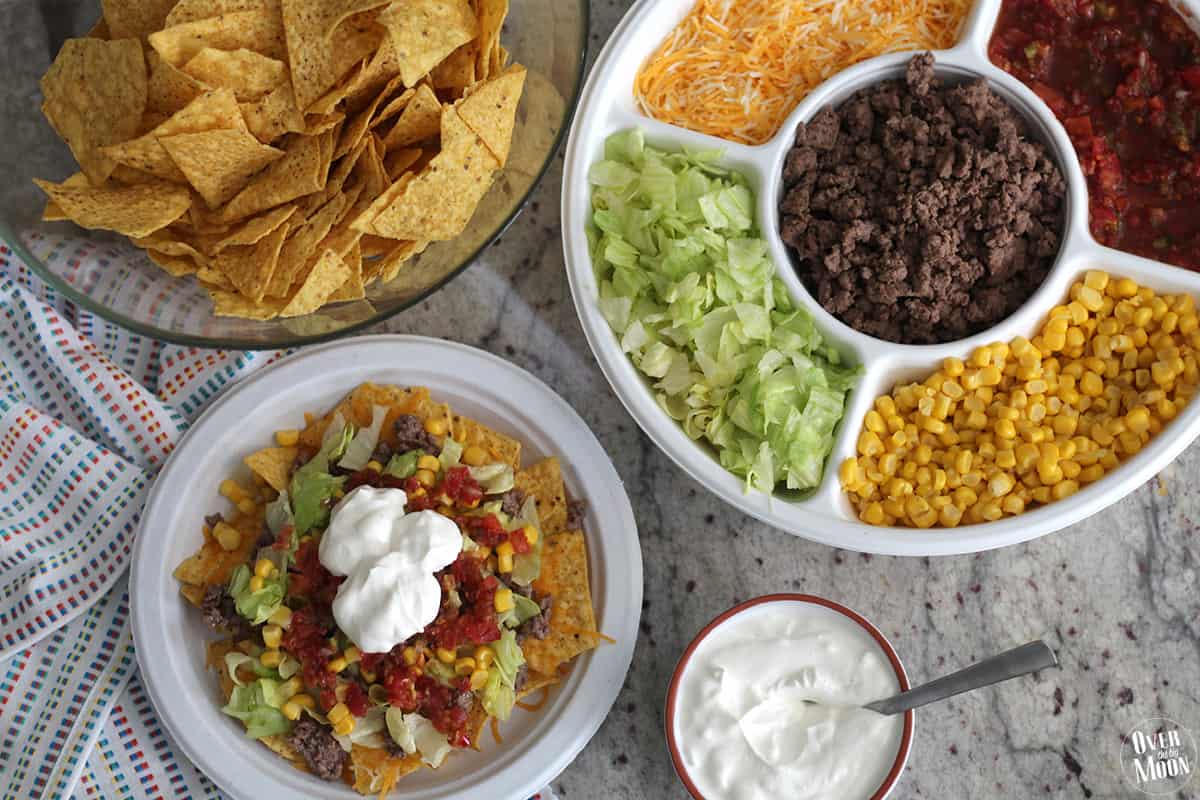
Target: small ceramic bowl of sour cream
[[765, 703]]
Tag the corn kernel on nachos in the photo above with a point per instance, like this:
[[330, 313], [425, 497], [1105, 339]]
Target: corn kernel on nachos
[[301, 663]]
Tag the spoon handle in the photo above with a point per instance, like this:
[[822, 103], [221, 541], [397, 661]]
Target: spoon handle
[[1009, 664]]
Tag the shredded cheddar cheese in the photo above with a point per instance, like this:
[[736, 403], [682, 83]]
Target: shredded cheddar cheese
[[736, 68]]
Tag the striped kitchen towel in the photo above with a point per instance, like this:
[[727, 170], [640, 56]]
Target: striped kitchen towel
[[88, 414]]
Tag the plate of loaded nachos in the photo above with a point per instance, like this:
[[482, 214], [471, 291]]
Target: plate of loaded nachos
[[389, 566]]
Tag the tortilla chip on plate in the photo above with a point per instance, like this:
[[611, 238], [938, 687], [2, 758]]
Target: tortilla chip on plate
[[503, 448], [573, 620], [273, 465], [375, 771], [544, 482], [94, 95]]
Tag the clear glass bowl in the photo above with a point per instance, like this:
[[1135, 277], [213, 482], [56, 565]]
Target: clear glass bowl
[[105, 274]]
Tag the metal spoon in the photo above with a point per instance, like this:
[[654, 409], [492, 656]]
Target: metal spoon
[[1010, 664]]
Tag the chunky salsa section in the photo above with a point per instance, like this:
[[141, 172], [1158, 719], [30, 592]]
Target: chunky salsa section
[[1123, 76]]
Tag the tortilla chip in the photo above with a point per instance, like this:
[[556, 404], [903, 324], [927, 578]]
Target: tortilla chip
[[274, 114], [213, 110], [397, 162], [319, 58], [426, 31], [192, 10], [298, 173], [278, 744], [573, 620], [457, 71], [273, 465], [354, 130], [248, 74], [94, 95], [467, 432], [231, 304], [371, 170], [391, 263], [214, 564], [375, 772], [544, 482], [134, 19], [381, 68], [256, 228], [169, 88], [536, 682], [219, 164], [421, 119], [439, 201], [169, 243], [329, 273], [258, 29], [175, 266], [300, 250], [490, 111], [353, 288], [250, 268], [491, 14], [394, 107], [135, 211]]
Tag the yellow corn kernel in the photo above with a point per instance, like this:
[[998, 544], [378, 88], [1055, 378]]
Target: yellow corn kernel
[[464, 666], [872, 514], [1089, 298], [1091, 384], [247, 506], [231, 491], [264, 567], [1005, 429], [257, 583], [409, 654], [1006, 459], [436, 426], [281, 617], [873, 422], [885, 405], [898, 487], [849, 473], [1012, 504], [425, 477], [1138, 420], [869, 444], [345, 727], [291, 687], [229, 537], [1041, 494], [287, 438], [337, 664], [271, 658], [1064, 489], [953, 367], [1096, 279], [1049, 472], [272, 635], [531, 534], [964, 497], [923, 454], [1001, 484], [949, 516], [962, 462], [474, 456], [1090, 474], [503, 600], [291, 710], [444, 655], [429, 462], [352, 655], [479, 679], [483, 656]]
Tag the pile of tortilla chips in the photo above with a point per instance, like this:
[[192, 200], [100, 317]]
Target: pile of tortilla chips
[[287, 153], [564, 574]]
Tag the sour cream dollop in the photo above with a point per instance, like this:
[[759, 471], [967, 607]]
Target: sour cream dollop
[[743, 728], [389, 559]]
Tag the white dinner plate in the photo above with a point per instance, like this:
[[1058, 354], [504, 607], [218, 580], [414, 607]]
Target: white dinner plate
[[170, 636]]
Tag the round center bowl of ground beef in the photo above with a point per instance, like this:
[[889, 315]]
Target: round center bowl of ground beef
[[921, 209]]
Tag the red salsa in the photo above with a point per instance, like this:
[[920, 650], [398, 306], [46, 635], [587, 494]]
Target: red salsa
[[1123, 76]]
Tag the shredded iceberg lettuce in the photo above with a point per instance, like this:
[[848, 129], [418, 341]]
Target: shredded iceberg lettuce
[[402, 465], [257, 706], [500, 694], [690, 291], [312, 486], [359, 450], [257, 606]]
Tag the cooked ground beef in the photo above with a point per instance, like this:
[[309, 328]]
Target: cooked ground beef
[[323, 755], [522, 677], [218, 611], [511, 502], [537, 627], [921, 212], [576, 509], [411, 435]]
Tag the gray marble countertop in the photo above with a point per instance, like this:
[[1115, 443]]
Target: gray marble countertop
[[1115, 596]]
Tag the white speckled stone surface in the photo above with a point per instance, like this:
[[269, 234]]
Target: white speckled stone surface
[[1116, 596]]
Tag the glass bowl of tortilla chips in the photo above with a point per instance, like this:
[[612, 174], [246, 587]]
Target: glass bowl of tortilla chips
[[267, 173]]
